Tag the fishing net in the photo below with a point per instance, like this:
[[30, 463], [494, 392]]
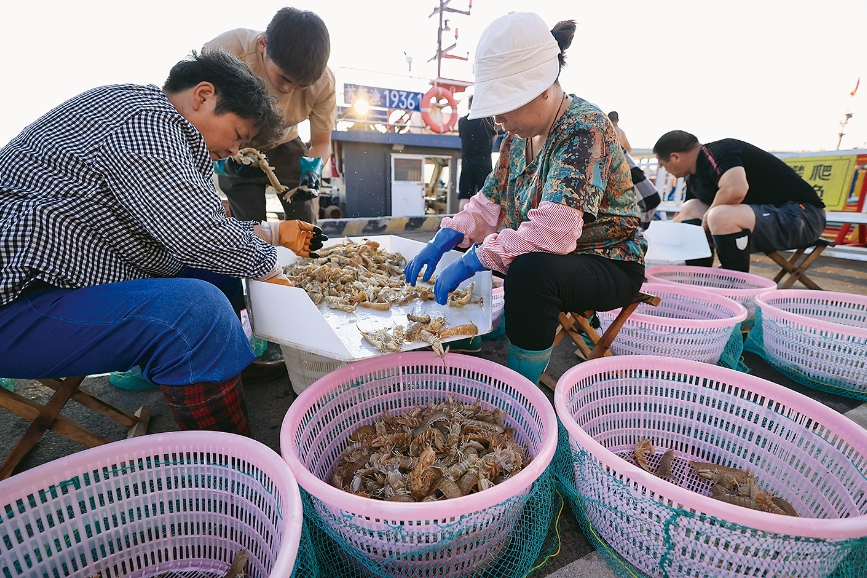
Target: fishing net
[[510, 553], [667, 541], [812, 358]]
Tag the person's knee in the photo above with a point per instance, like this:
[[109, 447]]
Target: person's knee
[[726, 219], [199, 307], [691, 209], [525, 272]]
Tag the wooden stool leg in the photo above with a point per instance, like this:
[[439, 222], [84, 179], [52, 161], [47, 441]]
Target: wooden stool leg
[[102, 407], [42, 422], [608, 337], [799, 274], [786, 265]]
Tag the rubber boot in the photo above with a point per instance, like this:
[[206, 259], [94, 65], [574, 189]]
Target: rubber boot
[[702, 261], [210, 406], [734, 250], [530, 364]]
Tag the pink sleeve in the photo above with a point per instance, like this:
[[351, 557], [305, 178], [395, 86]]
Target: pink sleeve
[[551, 228], [479, 218]]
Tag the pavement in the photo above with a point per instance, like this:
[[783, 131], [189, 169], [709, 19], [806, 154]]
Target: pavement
[[268, 403]]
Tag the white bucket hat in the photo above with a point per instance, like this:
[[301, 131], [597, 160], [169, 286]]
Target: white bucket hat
[[516, 61]]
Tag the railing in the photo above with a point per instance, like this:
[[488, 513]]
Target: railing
[[672, 190]]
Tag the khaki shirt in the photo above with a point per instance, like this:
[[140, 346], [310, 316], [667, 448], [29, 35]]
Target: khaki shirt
[[318, 102]]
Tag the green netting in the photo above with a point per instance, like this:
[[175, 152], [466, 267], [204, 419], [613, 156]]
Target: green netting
[[641, 537], [305, 560], [732, 355], [755, 343], [504, 541]]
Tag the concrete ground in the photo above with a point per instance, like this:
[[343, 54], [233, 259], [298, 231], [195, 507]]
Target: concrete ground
[[268, 403]]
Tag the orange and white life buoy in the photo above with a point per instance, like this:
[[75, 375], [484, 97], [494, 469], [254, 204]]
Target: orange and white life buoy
[[429, 102]]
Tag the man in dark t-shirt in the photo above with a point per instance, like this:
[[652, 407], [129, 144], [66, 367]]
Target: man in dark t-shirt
[[476, 139], [747, 200]]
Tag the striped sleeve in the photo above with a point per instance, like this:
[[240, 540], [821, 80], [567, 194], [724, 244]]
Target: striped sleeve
[[551, 228], [478, 219]]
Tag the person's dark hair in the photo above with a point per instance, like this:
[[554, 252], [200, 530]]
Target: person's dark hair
[[675, 141], [238, 90], [613, 116], [563, 33], [470, 102], [298, 42]]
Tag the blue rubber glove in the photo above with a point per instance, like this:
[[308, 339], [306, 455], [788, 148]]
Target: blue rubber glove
[[310, 182], [445, 240], [457, 273], [229, 168]]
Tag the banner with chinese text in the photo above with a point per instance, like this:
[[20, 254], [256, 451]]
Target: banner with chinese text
[[830, 176]]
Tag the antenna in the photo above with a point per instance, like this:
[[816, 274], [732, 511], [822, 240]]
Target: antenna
[[444, 27]]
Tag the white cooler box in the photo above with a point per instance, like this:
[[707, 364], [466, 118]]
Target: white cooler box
[[287, 316]]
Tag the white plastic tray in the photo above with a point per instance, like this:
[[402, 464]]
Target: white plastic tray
[[286, 315]]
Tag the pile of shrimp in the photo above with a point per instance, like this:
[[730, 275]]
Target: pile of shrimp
[[731, 485], [441, 451], [421, 328], [351, 275]]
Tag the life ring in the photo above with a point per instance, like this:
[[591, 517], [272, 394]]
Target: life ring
[[434, 95]]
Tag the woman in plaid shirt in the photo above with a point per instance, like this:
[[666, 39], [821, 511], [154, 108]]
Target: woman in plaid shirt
[[113, 240]]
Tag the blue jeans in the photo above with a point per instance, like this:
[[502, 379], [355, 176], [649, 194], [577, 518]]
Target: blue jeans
[[180, 330]]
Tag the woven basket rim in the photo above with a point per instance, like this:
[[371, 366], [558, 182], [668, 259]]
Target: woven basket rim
[[841, 528], [738, 311], [32, 481], [799, 294], [498, 494], [763, 283]]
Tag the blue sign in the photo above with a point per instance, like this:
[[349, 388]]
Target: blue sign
[[382, 97]]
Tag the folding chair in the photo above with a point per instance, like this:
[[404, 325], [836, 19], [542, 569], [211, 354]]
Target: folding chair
[[796, 266], [576, 325], [47, 417]]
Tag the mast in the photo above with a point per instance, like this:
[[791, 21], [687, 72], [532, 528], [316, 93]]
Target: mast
[[445, 52]]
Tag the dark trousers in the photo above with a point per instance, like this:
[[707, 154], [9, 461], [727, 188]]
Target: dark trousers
[[539, 286], [247, 196], [474, 171]]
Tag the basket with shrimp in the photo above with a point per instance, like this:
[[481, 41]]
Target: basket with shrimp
[[817, 338], [179, 504], [680, 468], [688, 323], [742, 287], [413, 465]]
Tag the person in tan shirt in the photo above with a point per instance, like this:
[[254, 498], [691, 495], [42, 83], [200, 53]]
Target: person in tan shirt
[[291, 56]]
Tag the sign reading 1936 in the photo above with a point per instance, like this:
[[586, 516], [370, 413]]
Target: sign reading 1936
[[382, 97]]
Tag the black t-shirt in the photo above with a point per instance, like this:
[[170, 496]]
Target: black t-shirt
[[476, 136], [771, 181]]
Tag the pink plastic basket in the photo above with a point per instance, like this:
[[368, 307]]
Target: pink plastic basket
[[688, 323], [741, 287], [173, 504], [822, 334], [318, 424], [809, 454]]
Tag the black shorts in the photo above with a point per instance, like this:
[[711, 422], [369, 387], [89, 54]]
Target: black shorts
[[790, 226]]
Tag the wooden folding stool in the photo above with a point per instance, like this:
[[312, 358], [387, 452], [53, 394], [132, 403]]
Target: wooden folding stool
[[577, 324], [796, 266], [45, 417]]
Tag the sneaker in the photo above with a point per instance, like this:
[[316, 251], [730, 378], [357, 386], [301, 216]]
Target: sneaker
[[468, 345]]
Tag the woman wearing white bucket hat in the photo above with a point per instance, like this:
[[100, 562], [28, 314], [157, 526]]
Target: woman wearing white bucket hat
[[559, 214]]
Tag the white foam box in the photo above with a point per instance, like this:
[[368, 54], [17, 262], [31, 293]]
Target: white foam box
[[286, 315], [669, 242]]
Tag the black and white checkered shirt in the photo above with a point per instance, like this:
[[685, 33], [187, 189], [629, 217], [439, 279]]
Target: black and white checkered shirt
[[113, 185]]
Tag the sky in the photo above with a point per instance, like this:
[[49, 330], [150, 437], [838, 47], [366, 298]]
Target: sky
[[776, 73]]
